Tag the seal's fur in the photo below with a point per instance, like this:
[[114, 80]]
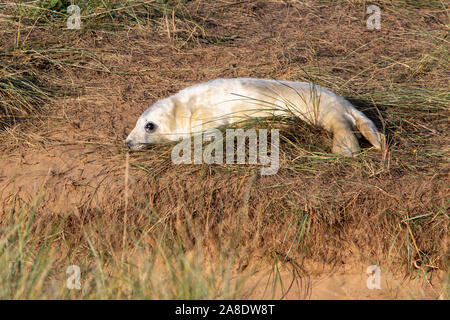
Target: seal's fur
[[223, 101]]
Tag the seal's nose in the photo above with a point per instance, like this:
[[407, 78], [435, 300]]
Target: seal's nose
[[128, 143]]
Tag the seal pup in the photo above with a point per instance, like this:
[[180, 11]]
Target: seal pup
[[224, 101]]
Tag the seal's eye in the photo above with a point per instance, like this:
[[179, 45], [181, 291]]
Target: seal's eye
[[150, 127]]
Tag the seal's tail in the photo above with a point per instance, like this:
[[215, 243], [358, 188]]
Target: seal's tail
[[344, 139], [368, 130]]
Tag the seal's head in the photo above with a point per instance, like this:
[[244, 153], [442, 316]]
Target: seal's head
[[140, 137], [159, 123]]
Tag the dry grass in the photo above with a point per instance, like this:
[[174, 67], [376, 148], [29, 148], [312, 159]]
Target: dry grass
[[187, 231]]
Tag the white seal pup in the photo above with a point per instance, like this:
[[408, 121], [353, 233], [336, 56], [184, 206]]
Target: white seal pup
[[224, 101]]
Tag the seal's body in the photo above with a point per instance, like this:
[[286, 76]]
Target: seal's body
[[223, 101]]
